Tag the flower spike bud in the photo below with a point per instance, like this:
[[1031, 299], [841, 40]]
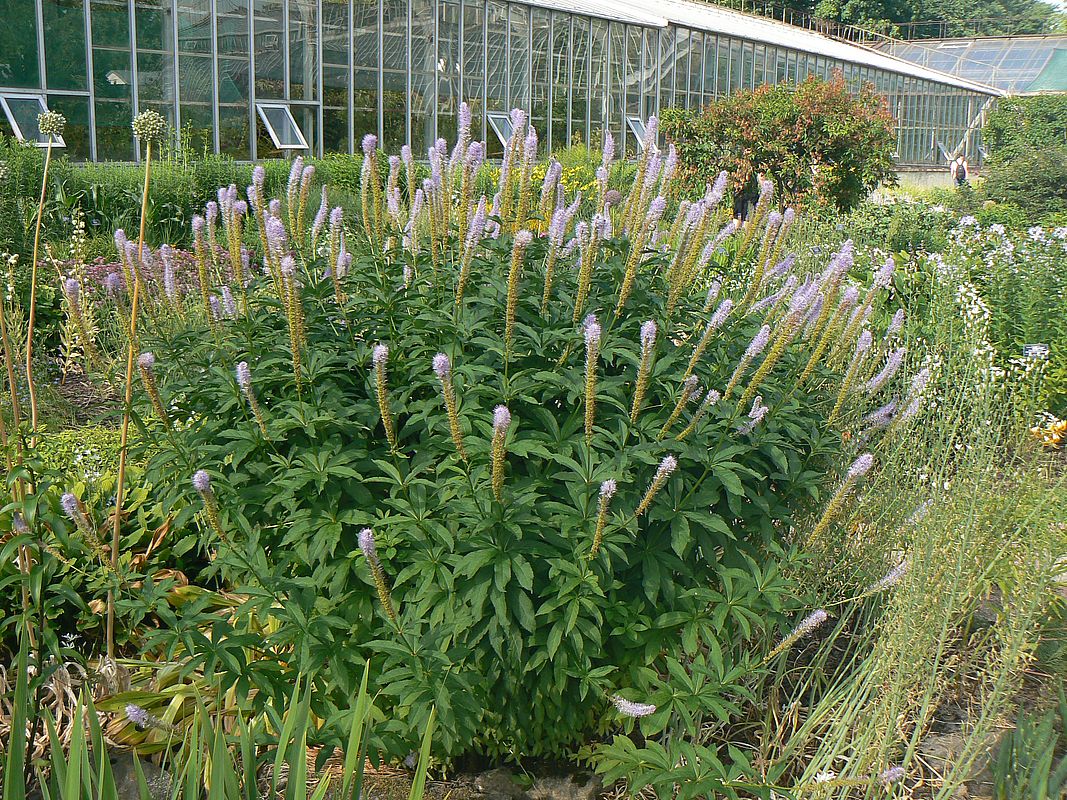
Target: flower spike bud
[[860, 467], [442, 367], [501, 423], [369, 549], [607, 491], [631, 709], [380, 359], [202, 484], [592, 350], [648, 346], [666, 467], [807, 626]]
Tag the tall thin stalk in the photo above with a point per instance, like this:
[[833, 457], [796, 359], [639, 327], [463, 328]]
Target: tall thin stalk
[[148, 126], [51, 125]]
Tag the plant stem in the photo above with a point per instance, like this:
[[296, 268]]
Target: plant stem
[[124, 438], [33, 297]]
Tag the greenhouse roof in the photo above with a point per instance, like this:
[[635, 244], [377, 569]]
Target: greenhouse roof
[[1010, 63], [717, 19]]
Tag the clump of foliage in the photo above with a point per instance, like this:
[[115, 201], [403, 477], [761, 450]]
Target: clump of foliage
[[531, 476], [536, 466], [817, 141], [1027, 140]]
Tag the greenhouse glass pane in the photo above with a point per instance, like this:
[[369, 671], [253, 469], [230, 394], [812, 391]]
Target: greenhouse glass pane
[[18, 46], [76, 134], [64, 44], [448, 68], [474, 66], [519, 59], [423, 75], [270, 50], [281, 126], [497, 57], [540, 73], [303, 49], [579, 94], [560, 55], [394, 74]]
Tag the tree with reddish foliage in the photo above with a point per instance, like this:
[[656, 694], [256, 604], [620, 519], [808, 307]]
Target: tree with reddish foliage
[[818, 142]]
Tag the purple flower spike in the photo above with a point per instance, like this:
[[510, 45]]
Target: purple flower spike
[[367, 545], [591, 329], [244, 376], [369, 144], [138, 716], [628, 708], [380, 355], [892, 775], [72, 289], [146, 361], [202, 482], [442, 366], [70, 506], [608, 488], [648, 335], [501, 419], [861, 466]]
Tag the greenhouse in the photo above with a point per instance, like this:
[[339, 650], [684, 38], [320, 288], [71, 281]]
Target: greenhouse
[[260, 78]]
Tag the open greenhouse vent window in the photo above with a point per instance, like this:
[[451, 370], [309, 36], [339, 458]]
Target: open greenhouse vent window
[[501, 125], [637, 127], [281, 126], [22, 111]]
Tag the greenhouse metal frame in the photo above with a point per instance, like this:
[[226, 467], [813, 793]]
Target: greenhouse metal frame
[[321, 73]]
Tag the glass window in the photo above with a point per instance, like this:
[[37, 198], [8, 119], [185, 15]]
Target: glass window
[[270, 50], [281, 126], [598, 95], [613, 121], [64, 44], [496, 95], [303, 49], [448, 68], [474, 65], [735, 65], [708, 87], [696, 65], [667, 67], [18, 47], [21, 111], [77, 133], [746, 66], [560, 55], [500, 123], [540, 74], [579, 95], [423, 76], [394, 101], [519, 58], [722, 73], [637, 129], [759, 65], [336, 49]]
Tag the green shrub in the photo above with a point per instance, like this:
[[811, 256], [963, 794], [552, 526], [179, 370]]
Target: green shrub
[[1020, 125], [489, 591], [1034, 181], [816, 141]]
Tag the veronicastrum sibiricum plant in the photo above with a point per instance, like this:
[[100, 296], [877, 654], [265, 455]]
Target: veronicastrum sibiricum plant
[[555, 504]]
